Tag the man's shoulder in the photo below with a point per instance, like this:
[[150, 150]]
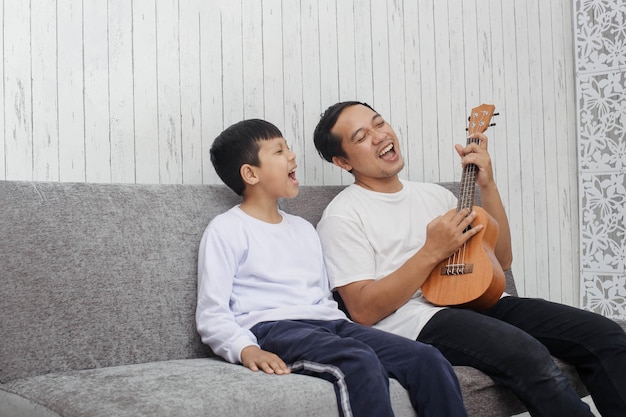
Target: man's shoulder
[[432, 197], [417, 185], [353, 192], [344, 200]]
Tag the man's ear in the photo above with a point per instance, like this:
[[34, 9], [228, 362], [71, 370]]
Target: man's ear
[[248, 174], [342, 163]]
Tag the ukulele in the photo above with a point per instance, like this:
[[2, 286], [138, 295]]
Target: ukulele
[[472, 277]]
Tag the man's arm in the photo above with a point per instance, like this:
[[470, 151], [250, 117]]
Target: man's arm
[[370, 301], [491, 201], [493, 204]]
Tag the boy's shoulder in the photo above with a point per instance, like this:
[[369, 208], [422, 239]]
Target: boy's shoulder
[[226, 219], [235, 217]]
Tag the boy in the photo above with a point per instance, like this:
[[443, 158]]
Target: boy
[[264, 301]]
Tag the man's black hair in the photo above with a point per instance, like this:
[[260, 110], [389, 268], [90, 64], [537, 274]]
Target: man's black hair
[[327, 144]]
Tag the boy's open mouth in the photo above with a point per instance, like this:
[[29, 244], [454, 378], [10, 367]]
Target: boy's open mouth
[[292, 175]]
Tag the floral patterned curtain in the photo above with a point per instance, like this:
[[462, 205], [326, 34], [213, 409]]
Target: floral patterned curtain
[[601, 95]]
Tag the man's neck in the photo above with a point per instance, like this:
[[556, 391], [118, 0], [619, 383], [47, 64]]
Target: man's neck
[[381, 185]]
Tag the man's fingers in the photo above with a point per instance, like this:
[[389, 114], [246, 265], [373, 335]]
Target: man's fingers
[[474, 230], [464, 217]]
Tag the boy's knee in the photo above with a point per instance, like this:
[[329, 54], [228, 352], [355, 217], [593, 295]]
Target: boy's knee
[[428, 352], [366, 361], [364, 354]]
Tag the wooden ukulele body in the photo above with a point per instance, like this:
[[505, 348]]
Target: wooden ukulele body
[[477, 280]]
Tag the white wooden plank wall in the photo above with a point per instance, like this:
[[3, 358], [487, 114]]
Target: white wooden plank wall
[[135, 91]]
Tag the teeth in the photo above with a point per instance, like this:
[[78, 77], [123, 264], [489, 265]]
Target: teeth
[[387, 149]]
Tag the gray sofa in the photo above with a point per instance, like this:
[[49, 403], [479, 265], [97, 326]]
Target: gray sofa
[[98, 292]]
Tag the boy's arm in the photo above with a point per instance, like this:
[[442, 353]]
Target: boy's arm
[[215, 321]]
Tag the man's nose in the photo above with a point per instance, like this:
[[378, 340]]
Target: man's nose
[[378, 136]]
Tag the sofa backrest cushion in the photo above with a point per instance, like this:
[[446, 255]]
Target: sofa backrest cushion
[[95, 275]]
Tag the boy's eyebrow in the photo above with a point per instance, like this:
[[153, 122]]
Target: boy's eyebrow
[[356, 132], [282, 143]]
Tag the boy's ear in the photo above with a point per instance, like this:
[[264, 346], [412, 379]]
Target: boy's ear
[[342, 163], [248, 174]]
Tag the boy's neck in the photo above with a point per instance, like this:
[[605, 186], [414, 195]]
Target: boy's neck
[[264, 210]]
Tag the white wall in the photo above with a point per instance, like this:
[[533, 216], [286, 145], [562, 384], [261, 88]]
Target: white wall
[[135, 91]]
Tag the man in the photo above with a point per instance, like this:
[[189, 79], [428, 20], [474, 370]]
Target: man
[[382, 236]]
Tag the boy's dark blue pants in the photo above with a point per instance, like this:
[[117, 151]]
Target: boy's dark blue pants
[[359, 361]]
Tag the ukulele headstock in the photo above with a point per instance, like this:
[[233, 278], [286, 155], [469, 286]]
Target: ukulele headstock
[[480, 118]]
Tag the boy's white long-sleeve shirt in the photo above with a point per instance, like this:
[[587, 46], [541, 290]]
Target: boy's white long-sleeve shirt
[[250, 271]]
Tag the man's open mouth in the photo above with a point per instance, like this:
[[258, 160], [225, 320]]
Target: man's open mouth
[[386, 150]]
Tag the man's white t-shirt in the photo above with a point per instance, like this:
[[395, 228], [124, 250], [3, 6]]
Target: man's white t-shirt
[[368, 235]]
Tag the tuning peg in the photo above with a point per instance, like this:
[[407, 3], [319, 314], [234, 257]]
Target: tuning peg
[[493, 124], [496, 114]]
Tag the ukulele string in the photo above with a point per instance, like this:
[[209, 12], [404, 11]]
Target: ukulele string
[[456, 261], [468, 202]]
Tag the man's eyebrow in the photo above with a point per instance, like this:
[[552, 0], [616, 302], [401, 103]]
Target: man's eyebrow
[[356, 132]]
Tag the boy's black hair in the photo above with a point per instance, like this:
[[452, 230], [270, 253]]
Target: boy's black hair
[[238, 145], [327, 144]]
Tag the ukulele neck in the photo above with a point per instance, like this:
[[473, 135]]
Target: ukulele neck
[[467, 192]]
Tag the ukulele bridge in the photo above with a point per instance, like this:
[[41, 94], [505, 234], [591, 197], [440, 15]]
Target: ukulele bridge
[[457, 269]]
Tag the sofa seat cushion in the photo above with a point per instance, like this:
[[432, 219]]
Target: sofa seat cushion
[[190, 387], [210, 386]]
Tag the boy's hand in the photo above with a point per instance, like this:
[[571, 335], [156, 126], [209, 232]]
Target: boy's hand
[[256, 358]]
